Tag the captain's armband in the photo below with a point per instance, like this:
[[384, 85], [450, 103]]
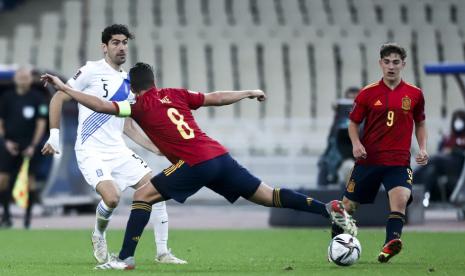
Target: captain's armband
[[123, 109]]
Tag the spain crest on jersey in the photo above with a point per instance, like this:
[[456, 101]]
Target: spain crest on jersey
[[406, 103], [351, 186]]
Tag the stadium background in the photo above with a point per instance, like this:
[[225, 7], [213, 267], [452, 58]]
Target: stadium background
[[302, 53]]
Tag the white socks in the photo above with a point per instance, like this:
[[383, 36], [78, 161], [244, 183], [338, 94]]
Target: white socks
[[103, 214], [160, 227]]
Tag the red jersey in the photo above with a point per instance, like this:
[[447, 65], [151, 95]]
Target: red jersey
[[165, 116], [389, 116]]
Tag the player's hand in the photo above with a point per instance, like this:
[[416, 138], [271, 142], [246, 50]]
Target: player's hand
[[53, 80], [359, 152], [29, 151], [258, 94], [48, 150], [52, 145], [12, 147], [422, 157]]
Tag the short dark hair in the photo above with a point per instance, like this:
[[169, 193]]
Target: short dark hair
[[115, 29], [141, 77], [392, 48]]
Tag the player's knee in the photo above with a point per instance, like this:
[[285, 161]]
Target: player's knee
[[263, 195], [399, 199], [139, 195], [147, 194], [112, 200], [399, 204]]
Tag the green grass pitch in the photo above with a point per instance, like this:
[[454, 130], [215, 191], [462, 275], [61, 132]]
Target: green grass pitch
[[231, 252]]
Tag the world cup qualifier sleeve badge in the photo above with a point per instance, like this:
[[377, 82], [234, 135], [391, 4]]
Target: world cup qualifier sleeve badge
[[406, 103]]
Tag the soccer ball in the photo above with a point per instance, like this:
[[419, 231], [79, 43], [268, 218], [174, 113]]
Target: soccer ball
[[344, 250]]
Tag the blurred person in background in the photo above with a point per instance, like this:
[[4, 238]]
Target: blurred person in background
[[23, 120], [104, 160], [390, 110], [339, 147], [441, 174]]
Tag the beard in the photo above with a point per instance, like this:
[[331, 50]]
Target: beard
[[118, 60]]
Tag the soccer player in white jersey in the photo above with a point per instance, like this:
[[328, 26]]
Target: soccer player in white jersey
[[105, 161]]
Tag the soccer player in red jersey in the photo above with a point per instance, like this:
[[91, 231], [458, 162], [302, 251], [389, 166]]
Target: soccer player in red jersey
[[198, 161], [389, 109]]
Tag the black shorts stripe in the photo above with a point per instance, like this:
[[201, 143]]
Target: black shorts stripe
[[173, 168]]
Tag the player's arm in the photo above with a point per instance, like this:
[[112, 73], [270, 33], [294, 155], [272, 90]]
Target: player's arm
[[134, 131], [55, 106], [89, 101], [92, 102], [358, 150], [219, 98], [422, 137], [52, 145]]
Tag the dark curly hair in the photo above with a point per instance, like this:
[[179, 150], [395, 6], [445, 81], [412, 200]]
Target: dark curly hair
[[115, 29]]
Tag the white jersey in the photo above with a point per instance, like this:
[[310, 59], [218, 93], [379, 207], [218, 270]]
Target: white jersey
[[97, 131]]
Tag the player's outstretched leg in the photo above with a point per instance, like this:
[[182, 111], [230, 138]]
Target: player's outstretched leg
[[160, 227], [341, 218], [350, 207], [286, 198]]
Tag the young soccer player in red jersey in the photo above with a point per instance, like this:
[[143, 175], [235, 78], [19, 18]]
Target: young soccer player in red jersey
[[198, 161], [389, 109]]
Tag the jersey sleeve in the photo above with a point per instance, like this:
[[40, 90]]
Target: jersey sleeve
[[359, 109], [194, 99], [80, 80], [419, 110]]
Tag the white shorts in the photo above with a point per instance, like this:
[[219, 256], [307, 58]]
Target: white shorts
[[124, 167]]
